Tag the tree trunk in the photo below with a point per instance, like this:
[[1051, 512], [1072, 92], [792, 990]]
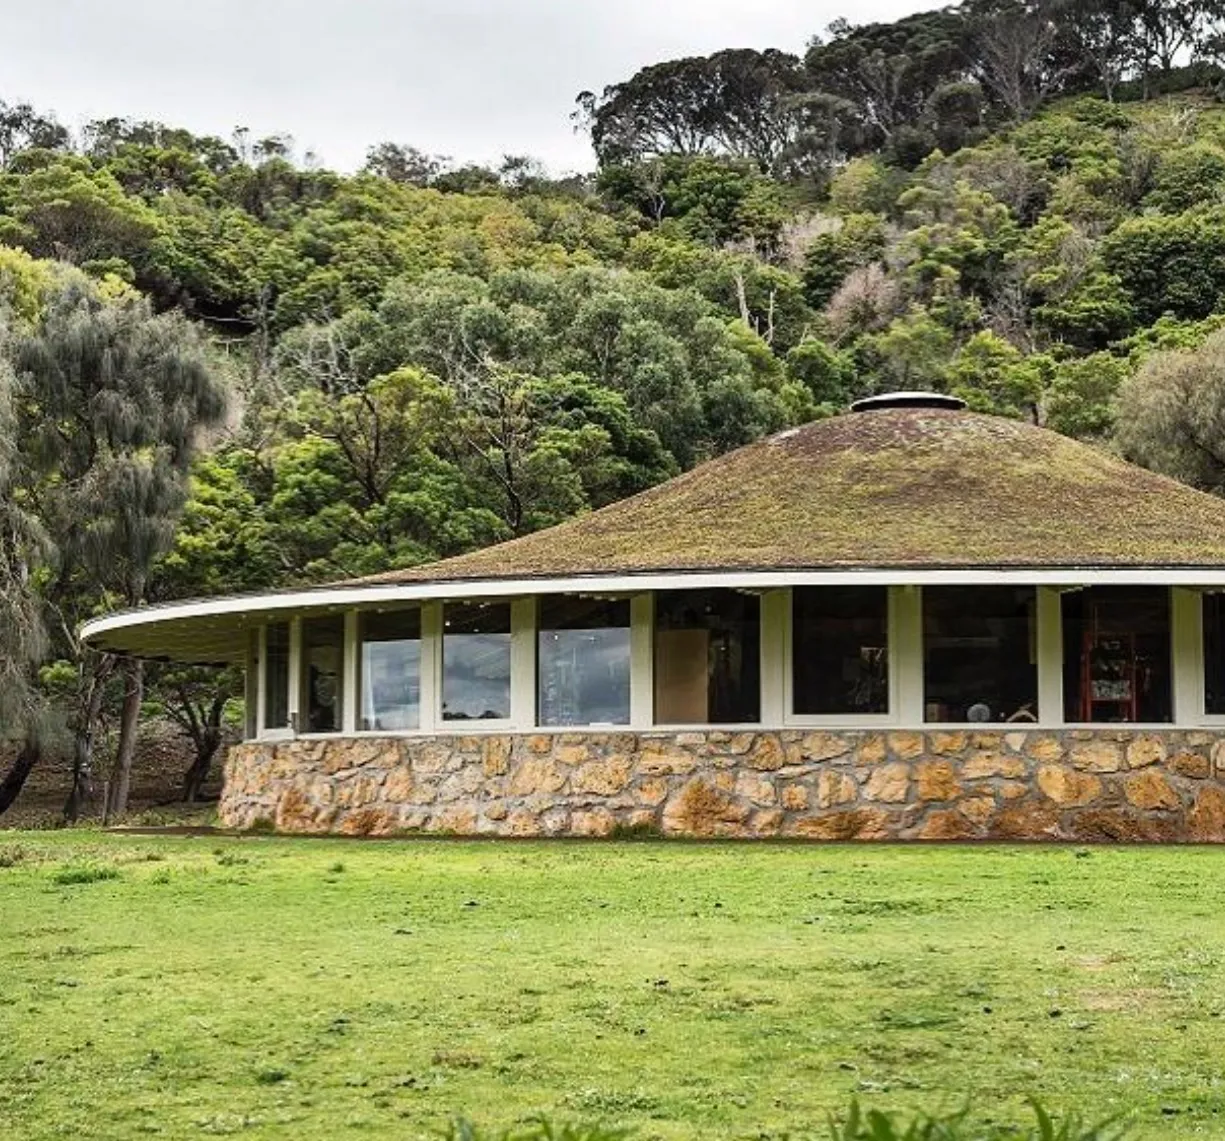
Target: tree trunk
[[15, 779], [207, 740], [129, 721], [82, 790]]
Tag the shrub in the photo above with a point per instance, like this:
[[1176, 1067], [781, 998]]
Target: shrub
[[84, 873], [873, 1125]]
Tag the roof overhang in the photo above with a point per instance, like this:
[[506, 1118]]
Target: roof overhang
[[215, 630]]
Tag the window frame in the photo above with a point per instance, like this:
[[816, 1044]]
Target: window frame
[[892, 717]]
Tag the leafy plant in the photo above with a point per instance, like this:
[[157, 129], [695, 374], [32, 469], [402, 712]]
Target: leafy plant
[[875, 1125]]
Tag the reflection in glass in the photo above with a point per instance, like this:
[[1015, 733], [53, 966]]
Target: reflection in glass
[[1214, 654], [980, 654], [323, 655], [584, 661], [840, 649], [476, 662], [276, 676], [1116, 654], [707, 657], [390, 670]]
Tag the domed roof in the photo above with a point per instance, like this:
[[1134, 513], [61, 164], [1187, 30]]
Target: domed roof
[[892, 487]]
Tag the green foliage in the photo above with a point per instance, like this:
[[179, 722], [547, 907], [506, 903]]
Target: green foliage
[[875, 1125], [537, 1129], [1170, 264]]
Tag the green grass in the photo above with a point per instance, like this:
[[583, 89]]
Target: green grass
[[304, 990]]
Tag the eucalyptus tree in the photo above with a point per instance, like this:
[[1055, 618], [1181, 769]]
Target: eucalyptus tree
[[112, 404]]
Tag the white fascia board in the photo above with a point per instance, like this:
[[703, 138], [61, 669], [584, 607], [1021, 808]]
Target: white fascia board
[[386, 594]]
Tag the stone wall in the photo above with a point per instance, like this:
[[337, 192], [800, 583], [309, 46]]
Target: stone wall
[[1076, 785]]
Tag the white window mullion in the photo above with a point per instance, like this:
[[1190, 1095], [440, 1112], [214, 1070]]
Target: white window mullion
[[642, 661], [1187, 654], [523, 663], [906, 654], [1049, 645], [351, 673], [296, 681], [775, 605], [430, 710]]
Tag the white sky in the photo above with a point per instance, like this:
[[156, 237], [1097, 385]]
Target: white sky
[[474, 79]]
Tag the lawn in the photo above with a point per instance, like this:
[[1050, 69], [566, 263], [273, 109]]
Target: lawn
[[278, 988]]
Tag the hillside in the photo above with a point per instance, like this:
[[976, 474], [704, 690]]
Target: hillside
[[369, 371]]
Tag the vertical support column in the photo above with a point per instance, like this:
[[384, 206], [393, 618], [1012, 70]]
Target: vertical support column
[[430, 698], [261, 679], [351, 720], [523, 663], [1187, 655], [775, 614], [642, 661], [295, 675], [1049, 649], [906, 654]]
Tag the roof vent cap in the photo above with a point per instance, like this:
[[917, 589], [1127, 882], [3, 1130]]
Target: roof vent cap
[[908, 400]]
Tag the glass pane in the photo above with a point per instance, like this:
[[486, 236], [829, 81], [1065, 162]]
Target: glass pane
[[1116, 654], [840, 649], [980, 654], [276, 677], [390, 670], [476, 662], [1214, 654], [323, 657], [707, 657], [583, 670]]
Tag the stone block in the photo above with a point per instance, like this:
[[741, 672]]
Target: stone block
[[1151, 791], [592, 822], [987, 763], [1193, 765], [602, 778], [1096, 757], [947, 824], [889, 783], [496, 756], [1146, 750], [835, 788], [978, 809], [795, 797], [847, 824], [756, 788], [535, 775], [905, 746], [937, 780], [815, 747], [1206, 820], [872, 749], [1045, 750], [944, 744], [700, 809], [652, 790], [1067, 787]]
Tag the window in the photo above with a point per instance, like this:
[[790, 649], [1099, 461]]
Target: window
[[390, 662], [476, 662], [1214, 655], [980, 654], [707, 657], [840, 650], [323, 658], [276, 676], [250, 689], [583, 671], [1116, 654]]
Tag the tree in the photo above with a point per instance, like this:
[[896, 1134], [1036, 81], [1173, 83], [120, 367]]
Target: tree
[[1014, 48], [889, 71], [112, 406], [400, 163], [22, 129], [1171, 414]]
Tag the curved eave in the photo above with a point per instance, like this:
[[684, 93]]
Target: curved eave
[[215, 630]]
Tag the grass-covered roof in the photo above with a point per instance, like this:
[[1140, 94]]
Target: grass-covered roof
[[898, 487]]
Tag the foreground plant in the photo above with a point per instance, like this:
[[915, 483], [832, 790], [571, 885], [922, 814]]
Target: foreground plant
[[874, 1125]]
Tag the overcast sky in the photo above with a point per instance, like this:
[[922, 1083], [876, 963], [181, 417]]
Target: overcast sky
[[474, 79]]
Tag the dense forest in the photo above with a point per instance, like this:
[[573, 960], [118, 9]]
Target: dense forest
[[223, 368]]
